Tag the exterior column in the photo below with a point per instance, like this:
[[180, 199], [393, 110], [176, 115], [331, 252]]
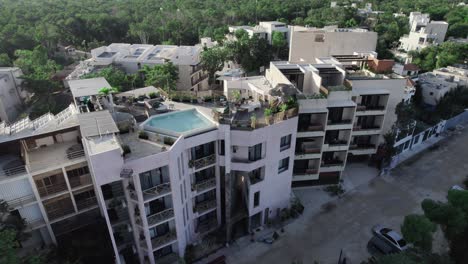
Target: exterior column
[[69, 189]]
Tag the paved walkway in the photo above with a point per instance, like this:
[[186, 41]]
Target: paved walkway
[[319, 235]]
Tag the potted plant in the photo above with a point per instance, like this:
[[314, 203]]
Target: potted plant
[[236, 96], [268, 116], [152, 95], [282, 111], [142, 135], [253, 121], [126, 150]]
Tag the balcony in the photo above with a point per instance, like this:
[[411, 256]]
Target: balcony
[[207, 225], [58, 208], [311, 127], [204, 185], [365, 130], [86, 203], [363, 149], [12, 169], [53, 156], [204, 206], [55, 188], [158, 190], [254, 179], [162, 240], [21, 201], [118, 215], [79, 181], [160, 217], [203, 162]]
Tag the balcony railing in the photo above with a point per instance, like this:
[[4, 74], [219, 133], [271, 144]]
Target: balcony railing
[[361, 128], [164, 239], [311, 128], [207, 225], [307, 171], [205, 206], [203, 185], [52, 189], [332, 163], [21, 201], [160, 217], [203, 162], [370, 108], [160, 189], [339, 122], [86, 203], [60, 211], [13, 171], [74, 154], [307, 150], [82, 180], [336, 142], [255, 179], [362, 146]]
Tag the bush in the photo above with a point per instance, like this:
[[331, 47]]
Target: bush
[[126, 150], [152, 95], [208, 98], [334, 190], [418, 229], [142, 135], [169, 141]]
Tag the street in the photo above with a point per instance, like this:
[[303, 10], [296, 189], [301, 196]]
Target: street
[[319, 235]]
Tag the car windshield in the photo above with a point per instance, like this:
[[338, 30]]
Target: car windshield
[[402, 242], [385, 230]]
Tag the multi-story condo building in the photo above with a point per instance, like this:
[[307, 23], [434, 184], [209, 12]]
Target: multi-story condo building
[[423, 32], [264, 30], [165, 183], [11, 94], [343, 111], [160, 185], [308, 44], [132, 57]]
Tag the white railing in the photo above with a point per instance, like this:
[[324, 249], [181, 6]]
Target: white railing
[[13, 171], [21, 201]]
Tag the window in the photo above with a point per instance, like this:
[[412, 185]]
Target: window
[[285, 142], [221, 147], [256, 199], [255, 152], [78, 172], [283, 165], [319, 38]]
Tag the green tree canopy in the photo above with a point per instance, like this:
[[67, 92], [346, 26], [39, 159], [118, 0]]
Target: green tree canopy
[[163, 75], [116, 78], [418, 229], [212, 60]]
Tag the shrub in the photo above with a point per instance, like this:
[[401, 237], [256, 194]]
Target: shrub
[[268, 112], [334, 190], [126, 150], [142, 135], [208, 98], [169, 141], [152, 95]]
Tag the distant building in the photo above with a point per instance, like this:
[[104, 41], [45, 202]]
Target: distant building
[[423, 32], [434, 87], [408, 69], [11, 94], [263, 30], [308, 44]]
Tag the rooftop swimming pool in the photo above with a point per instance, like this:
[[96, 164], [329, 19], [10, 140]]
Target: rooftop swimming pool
[[187, 122]]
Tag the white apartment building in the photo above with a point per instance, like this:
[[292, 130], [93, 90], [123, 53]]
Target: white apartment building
[[132, 57], [264, 30], [11, 94], [309, 44], [423, 32], [194, 172]]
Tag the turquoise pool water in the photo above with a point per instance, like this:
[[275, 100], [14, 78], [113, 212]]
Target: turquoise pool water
[[180, 122]]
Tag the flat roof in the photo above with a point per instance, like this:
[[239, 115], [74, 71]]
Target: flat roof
[[97, 123], [87, 87], [138, 92]]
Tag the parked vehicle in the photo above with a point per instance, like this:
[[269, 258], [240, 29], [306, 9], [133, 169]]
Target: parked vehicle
[[386, 236]]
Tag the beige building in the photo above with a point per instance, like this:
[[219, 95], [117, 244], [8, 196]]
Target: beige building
[[308, 44]]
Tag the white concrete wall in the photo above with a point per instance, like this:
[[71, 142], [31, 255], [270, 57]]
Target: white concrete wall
[[304, 48]]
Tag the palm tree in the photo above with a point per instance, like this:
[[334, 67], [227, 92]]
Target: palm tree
[[108, 91]]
